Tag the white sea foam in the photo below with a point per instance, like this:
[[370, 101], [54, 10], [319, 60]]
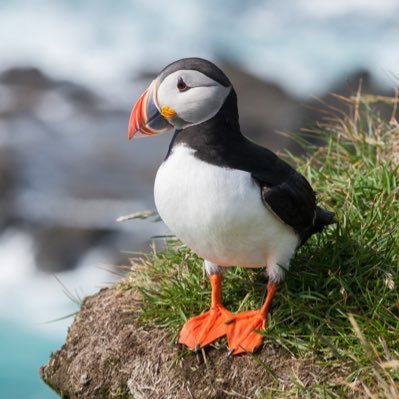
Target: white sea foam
[[301, 44], [32, 298]]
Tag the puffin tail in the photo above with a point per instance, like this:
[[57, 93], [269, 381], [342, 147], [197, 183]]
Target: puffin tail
[[323, 218]]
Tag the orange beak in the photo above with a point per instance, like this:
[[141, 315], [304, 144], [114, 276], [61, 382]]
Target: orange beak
[[146, 119]]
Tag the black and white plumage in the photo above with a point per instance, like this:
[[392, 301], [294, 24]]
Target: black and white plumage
[[230, 200]]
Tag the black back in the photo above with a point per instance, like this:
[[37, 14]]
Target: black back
[[219, 141]]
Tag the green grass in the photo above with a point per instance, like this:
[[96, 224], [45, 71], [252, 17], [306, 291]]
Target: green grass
[[340, 301]]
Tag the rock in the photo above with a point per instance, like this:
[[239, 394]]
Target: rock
[[28, 77], [8, 182], [108, 354], [55, 137], [66, 243]]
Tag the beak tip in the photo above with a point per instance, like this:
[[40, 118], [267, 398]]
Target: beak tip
[[132, 129], [145, 118]]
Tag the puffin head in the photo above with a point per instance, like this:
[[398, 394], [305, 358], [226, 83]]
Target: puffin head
[[187, 92]]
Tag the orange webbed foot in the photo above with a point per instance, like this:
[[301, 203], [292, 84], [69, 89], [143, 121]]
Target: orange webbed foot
[[242, 331], [202, 330]]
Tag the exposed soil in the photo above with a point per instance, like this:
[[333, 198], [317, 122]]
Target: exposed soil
[[108, 354]]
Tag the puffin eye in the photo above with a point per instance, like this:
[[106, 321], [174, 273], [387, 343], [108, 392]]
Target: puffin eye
[[181, 85]]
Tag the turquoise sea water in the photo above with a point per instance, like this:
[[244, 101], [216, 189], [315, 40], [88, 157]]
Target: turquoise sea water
[[22, 352], [32, 307]]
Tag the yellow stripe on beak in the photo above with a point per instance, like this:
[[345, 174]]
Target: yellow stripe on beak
[[168, 112]]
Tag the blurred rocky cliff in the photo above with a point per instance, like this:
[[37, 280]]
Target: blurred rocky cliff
[[67, 170]]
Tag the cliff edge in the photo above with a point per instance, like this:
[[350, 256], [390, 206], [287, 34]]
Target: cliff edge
[[107, 354]]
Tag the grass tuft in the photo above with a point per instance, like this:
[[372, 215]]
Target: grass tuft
[[340, 301]]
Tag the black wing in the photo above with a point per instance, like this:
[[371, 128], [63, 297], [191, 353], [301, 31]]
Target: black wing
[[292, 200], [289, 195]]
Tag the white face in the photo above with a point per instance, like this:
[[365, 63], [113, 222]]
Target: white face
[[192, 95]]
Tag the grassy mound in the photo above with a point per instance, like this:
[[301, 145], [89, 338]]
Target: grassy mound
[[339, 306]]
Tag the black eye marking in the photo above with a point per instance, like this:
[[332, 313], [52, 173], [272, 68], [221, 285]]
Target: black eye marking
[[181, 85]]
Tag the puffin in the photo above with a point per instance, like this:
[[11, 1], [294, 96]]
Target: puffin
[[231, 201]]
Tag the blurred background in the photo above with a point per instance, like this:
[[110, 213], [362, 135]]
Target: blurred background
[[70, 71]]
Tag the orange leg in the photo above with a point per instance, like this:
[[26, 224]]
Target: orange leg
[[201, 330], [242, 328]]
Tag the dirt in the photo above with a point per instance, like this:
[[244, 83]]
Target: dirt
[[108, 354]]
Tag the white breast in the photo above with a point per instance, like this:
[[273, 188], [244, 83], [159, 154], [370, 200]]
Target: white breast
[[218, 213]]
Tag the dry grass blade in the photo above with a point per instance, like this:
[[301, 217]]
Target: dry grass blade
[[137, 215], [384, 380]]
